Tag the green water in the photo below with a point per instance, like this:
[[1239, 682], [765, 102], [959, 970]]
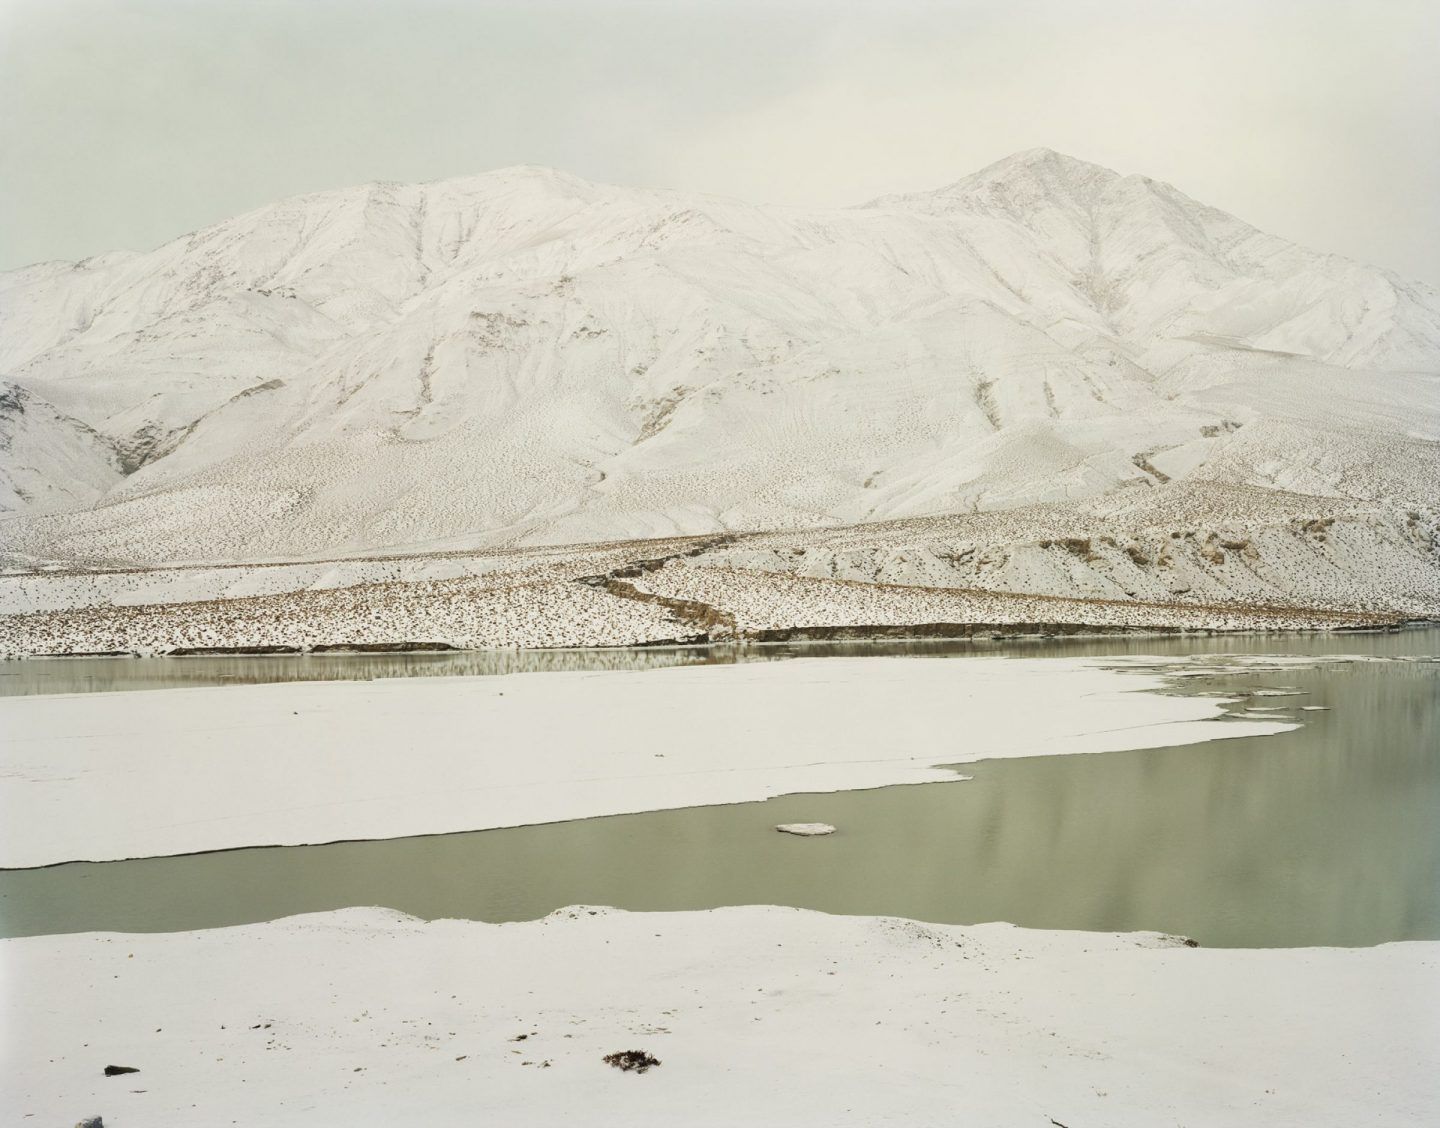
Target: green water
[[21, 677], [1327, 835]]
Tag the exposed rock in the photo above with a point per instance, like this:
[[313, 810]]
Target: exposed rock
[[637, 1061]]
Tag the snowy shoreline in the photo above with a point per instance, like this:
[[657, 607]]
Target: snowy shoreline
[[536, 609], [102, 776], [856, 633], [757, 1014], [762, 1014], [983, 575]]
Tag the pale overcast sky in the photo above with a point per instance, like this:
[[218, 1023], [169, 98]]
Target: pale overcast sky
[[125, 123]]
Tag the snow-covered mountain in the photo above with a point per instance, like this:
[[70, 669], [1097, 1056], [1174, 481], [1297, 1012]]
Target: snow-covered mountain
[[51, 461], [526, 358]]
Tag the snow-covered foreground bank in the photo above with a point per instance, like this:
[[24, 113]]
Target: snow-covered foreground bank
[[114, 775], [758, 1015]]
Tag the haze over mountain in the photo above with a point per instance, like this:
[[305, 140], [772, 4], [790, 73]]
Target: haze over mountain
[[527, 358]]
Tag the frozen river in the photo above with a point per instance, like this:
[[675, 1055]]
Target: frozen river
[[1325, 835]]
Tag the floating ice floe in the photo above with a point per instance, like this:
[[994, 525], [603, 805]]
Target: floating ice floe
[[99, 776]]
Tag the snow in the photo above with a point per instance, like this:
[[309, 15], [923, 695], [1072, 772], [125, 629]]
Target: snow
[[1264, 567], [806, 830], [101, 776], [758, 1015], [525, 358], [52, 462], [1047, 395]]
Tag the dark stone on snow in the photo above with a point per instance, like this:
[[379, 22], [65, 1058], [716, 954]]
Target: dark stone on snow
[[627, 1060]]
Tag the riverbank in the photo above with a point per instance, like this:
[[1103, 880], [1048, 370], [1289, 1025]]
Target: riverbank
[[365, 1016], [734, 587], [756, 1015]]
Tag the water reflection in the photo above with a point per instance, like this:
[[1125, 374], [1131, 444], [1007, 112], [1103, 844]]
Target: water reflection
[[1326, 835], [21, 677]]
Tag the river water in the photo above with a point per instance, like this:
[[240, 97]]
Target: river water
[[1325, 835], [19, 677]]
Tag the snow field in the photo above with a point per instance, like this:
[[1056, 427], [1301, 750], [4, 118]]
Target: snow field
[[758, 1014]]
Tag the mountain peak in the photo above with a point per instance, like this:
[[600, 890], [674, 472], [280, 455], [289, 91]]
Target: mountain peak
[[1024, 176], [1046, 158], [527, 357], [1045, 169]]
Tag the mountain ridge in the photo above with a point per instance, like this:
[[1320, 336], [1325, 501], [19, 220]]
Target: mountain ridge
[[527, 357]]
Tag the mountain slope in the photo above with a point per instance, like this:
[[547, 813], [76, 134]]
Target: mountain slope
[[524, 357], [51, 461]]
